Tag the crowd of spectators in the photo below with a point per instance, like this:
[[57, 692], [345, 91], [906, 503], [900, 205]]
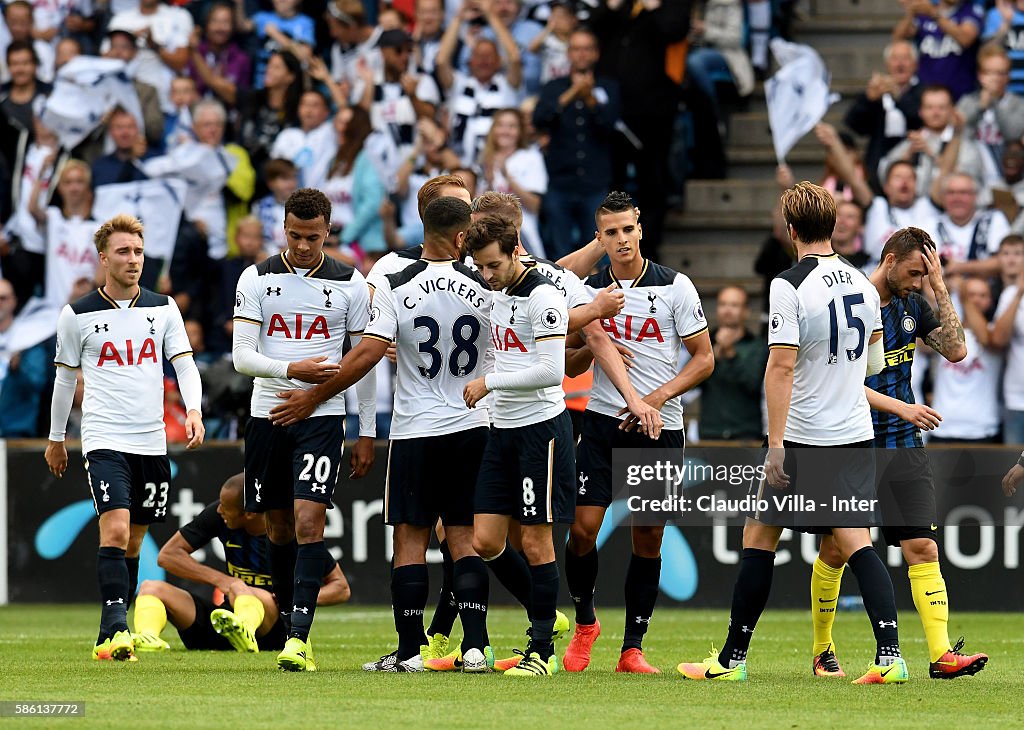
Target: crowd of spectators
[[213, 111]]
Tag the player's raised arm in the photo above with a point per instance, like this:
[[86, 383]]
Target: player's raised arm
[[945, 335], [67, 359], [607, 303]]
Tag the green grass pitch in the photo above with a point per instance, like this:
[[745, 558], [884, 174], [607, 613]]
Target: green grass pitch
[[45, 650]]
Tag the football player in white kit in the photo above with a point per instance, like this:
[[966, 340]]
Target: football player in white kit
[[825, 333], [662, 314], [292, 314], [527, 468], [119, 335]]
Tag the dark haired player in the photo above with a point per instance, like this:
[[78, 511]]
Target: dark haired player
[[662, 313], [293, 312], [907, 258], [435, 310], [247, 619], [527, 469], [119, 336]]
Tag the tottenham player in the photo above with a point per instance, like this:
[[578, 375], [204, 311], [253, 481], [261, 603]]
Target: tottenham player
[[247, 619], [662, 313], [293, 312], [909, 493], [436, 311], [527, 468], [585, 308], [824, 328], [446, 610], [118, 336]]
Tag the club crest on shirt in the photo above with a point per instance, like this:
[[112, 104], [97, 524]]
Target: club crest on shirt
[[776, 323], [698, 312], [374, 314], [551, 318], [239, 300], [909, 323]]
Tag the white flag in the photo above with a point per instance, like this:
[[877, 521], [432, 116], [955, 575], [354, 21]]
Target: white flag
[[157, 203], [797, 94], [86, 89]]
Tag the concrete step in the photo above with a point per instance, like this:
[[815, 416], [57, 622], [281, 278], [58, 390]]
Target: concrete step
[[692, 236], [735, 198], [849, 63], [752, 129], [717, 220], [855, 9], [853, 25], [724, 259], [759, 164]]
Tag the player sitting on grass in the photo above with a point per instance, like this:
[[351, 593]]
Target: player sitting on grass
[[248, 618]]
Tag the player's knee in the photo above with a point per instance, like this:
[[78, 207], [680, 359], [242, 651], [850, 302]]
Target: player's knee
[[760, 537], [581, 539], [151, 588], [647, 541], [920, 550], [115, 535], [829, 554], [487, 547]]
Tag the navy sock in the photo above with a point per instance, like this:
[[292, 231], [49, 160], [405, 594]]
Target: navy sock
[[512, 571], [282, 559], [112, 575], [133, 577], [447, 610], [879, 600], [471, 589], [642, 579], [309, 572], [749, 597], [542, 615], [581, 575], [410, 586]]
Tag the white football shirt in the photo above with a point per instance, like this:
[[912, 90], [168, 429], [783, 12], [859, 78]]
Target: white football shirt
[[437, 312], [529, 311], [883, 219], [121, 352], [301, 314], [827, 310], [662, 311]]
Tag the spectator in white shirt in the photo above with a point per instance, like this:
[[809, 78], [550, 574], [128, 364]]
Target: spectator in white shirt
[[966, 393], [311, 145], [1008, 332], [968, 238]]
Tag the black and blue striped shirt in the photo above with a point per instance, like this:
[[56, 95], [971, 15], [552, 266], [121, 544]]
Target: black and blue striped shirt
[[903, 321]]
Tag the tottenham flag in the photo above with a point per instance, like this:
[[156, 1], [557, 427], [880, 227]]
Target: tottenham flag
[[157, 203], [86, 89], [797, 94]]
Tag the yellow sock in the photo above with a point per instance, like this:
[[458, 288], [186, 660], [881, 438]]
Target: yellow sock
[[150, 615], [825, 581], [932, 605], [249, 610]]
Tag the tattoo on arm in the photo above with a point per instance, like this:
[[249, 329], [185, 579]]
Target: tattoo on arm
[[950, 333]]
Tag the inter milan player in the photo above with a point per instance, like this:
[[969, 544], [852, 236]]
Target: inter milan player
[[119, 336], [247, 619], [824, 334], [662, 314], [293, 312], [907, 258]]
